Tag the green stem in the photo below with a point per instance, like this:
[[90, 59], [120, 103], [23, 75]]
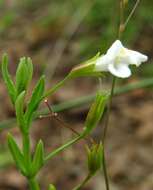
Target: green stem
[[131, 13], [26, 150], [109, 109], [33, 184], [79, 187], [105, 171], [105, 132], [56, 87], [63, 147]]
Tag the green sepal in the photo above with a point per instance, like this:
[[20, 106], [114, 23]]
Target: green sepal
[[23, 74], [16, 154], [35, 100], [19, 108], [38, 159], [95, 113], [95, 158], [7, 79], [51, 187], [86, 69]]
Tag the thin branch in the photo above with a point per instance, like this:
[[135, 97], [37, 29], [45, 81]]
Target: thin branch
[[131, 13]]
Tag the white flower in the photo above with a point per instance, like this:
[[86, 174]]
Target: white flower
[[117, 60]]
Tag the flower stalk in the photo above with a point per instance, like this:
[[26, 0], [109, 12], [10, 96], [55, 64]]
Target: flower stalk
[[122, 27], [81, 185]]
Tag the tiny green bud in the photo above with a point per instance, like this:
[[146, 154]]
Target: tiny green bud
[[95, 157], [23, 74]]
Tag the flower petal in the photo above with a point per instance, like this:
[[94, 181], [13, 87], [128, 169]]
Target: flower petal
[[102, 63], [115, 48], [136, 58], [120, 70]]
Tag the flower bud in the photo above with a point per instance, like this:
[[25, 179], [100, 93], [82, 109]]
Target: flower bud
[[95, 157], [23, 74]]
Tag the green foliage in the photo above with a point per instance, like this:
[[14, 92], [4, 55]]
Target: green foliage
[[35, 99], [95, 157], [19, 107], [95, 113], [17, 154], [38, 159], [23, 74], [7, 79], [51, 187]]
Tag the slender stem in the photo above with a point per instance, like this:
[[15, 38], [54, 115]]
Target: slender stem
[[121, 26], [56, 87], [79, 187], [105, 132], [63, 147], [105, 171], [131, 13], [33, 184], [120, 31], [26, 150], [109, 110], [63, 123]]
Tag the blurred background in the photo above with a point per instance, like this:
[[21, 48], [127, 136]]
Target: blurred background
[[57, 35]]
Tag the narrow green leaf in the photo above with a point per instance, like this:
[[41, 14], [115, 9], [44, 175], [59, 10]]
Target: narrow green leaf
[[95, 113], [16, 154], [23, 74], [38, 159], [35, 100], [51, 187], [7, 79], [29, 69], [19, 107]]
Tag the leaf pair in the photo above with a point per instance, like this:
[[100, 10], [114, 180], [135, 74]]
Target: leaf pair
[[24, 119], [36, 164]]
